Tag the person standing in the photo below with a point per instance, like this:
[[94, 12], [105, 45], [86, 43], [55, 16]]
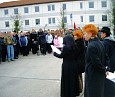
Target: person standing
[[69, 80], [23, 43], [95, 70], [9, 41], [109, 44], [4, 47], [0, 48], [16, 45], [34, 42], [80, 56], [42, 42], [49, 41]]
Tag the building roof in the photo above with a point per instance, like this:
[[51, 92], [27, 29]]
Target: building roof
[[29, 2]]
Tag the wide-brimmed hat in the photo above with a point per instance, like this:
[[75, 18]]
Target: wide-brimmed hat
[[106, 30]]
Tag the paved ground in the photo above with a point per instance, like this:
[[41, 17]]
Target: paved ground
[[31, 76]]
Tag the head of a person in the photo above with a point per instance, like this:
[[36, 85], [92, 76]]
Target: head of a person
[[49, 32], [55, 37], [70, 30], [68, 41], [89, 31], [105, 32], [78, 34], [33, 30], [9, 33]]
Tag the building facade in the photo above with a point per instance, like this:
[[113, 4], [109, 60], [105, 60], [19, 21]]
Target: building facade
[[48, 15]]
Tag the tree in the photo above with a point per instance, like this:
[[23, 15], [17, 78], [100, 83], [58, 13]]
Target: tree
[[62, 24], [113, 16], [17, 23]]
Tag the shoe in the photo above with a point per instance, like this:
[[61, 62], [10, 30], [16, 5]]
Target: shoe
[[16, 58], [8, 60], [12, 59]]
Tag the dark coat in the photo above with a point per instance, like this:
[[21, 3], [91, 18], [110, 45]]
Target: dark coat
[[80, 55], [69, 78], [95, 69], [42, 38], [109, 44], [0, 48]]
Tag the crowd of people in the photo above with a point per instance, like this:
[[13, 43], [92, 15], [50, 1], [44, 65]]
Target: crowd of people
[[13, 44], [88, 50]]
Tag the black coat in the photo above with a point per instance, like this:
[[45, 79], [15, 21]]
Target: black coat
[[80, 55], [110, 50], [95, 69], [69, 79]]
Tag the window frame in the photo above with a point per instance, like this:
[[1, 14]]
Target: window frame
[[105, 5], [64, 7], [16, 11], [27, 22], [37, 9], [7, 25], [81, 5], [91, 18], [26, 10], [81, 18], [104, 18], [37, 20], [5, 11], [91, 6]]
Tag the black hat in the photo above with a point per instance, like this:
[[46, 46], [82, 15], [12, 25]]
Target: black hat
[[106, 30]]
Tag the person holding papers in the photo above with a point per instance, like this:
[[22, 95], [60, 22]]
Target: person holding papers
[[69, 78]]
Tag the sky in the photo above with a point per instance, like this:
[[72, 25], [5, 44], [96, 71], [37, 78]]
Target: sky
[[1, 1]]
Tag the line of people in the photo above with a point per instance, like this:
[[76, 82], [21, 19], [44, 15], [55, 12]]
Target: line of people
[[12, 44], [84, 52]]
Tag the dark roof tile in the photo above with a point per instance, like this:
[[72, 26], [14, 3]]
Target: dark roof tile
[[30, 2]]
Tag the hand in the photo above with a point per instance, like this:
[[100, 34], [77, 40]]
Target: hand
[[54, 53], [107, 73]]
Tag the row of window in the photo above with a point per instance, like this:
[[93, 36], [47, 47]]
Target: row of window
[[52, 7], [52, 20]]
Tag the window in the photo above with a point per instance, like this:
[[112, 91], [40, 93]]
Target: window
[[81, 18], [65, 19], [26, 10], [91, 4], [81, 5], [16, 11], [64, 6], [53, 7], [36, 8], [51, 20], [6, 11], [49, 8], [37, 21], [7, 24], [26, 22], [104, 17], [91, 18], [104, 3]]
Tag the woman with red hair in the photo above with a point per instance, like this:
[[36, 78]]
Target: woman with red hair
[[80, 56], [95, 71]]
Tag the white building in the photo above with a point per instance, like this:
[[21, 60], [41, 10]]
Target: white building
[[35, 14]]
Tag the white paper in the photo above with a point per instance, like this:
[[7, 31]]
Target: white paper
[[55, 49], [111, 76]]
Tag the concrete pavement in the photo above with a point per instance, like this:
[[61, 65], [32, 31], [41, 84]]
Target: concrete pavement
[[31, 76]]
